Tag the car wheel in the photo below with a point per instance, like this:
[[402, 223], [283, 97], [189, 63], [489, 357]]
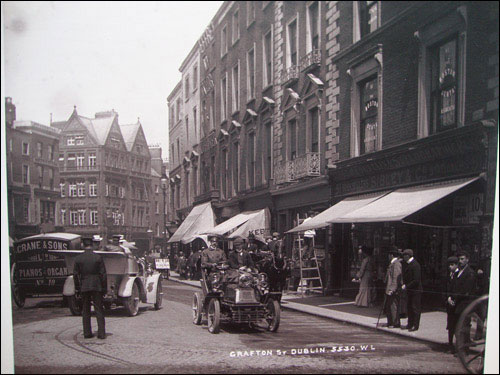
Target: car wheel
[[273, 315], [75, 305], [18, 296], [159, 295], [197, 309], [214, 316], [132, 303]]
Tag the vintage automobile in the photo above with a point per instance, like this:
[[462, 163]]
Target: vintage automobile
[[129, 281], [35, 272], [248, 301]]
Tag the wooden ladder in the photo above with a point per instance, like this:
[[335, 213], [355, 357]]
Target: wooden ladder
[[310, 276]]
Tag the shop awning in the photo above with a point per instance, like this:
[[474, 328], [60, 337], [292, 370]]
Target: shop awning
[[242, 224], [340, 209], [198, 221], [403, 202]]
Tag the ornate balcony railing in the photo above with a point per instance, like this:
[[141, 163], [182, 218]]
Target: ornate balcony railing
[[290, 74], [313, 58], [307, 165], [284, 172], [74, 168]]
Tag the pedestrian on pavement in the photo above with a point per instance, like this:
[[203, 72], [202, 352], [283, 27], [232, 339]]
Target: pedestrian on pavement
[[464, 289], [403, 295], [90, 280], [393, 280], [452, 317], [412, 280], [191, 265], [365, 275]]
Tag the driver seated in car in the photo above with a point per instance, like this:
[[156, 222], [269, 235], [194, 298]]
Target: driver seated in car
[[238, 259], [213, 255]]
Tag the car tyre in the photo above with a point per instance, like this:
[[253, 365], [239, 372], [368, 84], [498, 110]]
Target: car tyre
[[197, 309], [273, 315], [213, 316], [131, 303], [159, 295], [75, 305]]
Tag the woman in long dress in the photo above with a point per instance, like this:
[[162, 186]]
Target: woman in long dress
[[365, 275]]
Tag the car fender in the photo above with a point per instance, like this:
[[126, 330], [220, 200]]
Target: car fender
[[69, 286], [151, 285], [125, 289]]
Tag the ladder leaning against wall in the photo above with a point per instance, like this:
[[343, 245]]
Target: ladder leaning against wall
[[310, 276]]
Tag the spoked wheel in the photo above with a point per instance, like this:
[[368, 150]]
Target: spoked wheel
[[273, 315], [18, 296], [471, 335], [197, 309], [132, 303], [159, 295], [213, 316], [75, 305]]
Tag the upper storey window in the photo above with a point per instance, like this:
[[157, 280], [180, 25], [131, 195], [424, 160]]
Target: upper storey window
[[292, 53], [443, 66], [366, 18], [313, 31]]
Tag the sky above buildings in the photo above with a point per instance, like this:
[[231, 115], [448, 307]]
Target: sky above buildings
[[99, 56]]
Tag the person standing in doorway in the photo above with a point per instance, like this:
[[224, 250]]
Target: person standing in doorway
[[413, 285], [365, 275], [452, 318], [393, 284], [90, 279]]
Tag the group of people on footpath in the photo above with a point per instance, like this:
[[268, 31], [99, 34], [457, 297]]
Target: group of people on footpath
[[403, 288]]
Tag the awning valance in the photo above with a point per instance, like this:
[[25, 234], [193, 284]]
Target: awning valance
[[198, 221], [341, 208], [242, 224], [403, 202]]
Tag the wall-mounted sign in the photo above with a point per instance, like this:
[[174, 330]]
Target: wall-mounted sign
[[468, 208]]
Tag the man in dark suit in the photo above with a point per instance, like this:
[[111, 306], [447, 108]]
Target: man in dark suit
[[413, 285], [452, 318], [90, 280], [464, 289], [239, 257]]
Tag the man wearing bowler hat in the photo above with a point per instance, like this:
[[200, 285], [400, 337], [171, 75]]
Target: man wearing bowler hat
[[412, 280], [90, 280], [239, 257]]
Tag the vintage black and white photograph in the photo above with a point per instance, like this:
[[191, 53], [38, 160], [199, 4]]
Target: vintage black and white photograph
[[250, 187]]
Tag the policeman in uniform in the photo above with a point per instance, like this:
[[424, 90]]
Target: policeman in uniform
[[90, 280], [213, 255]]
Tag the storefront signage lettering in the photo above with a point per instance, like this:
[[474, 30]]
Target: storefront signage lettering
[[419, 173], [258, 232], [41, 245], [468, 208]]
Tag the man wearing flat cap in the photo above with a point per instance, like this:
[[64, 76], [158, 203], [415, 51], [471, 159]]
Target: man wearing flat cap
[[213, 255], [412, 280], [90, 280], [393, 282], [452, 317]]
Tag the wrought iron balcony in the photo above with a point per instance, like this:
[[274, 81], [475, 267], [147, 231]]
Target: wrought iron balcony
[[307, 165], [290, 74], [284, 172], [310, 60]]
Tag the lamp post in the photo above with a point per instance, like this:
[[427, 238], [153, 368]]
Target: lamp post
[[164, 186]]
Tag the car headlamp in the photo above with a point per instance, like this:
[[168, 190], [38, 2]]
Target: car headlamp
[[262, 278], [215, 280], [246, 280]]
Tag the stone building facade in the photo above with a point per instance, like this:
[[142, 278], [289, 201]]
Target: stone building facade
[[32, 176]]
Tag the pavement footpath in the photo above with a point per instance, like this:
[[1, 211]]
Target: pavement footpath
[[432, 324]]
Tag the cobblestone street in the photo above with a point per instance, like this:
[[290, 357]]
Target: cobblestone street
[[166, 341]]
